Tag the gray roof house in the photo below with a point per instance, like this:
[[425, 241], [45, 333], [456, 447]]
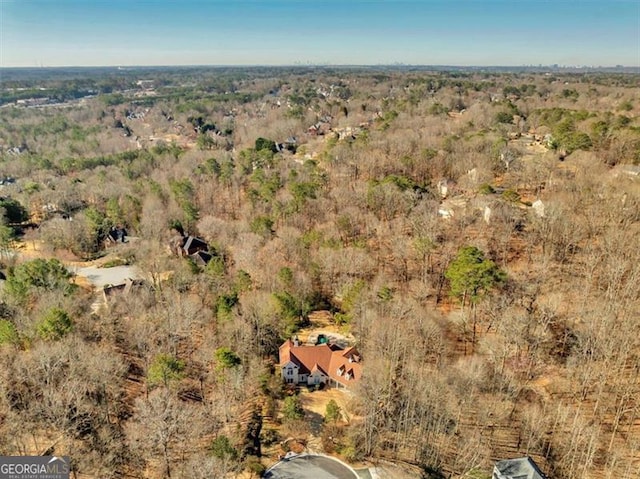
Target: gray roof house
[[520, 468], [182, 245], [192, 245]]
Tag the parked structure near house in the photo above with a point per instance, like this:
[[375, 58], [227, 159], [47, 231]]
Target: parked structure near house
[[520, 468], [321, 364]]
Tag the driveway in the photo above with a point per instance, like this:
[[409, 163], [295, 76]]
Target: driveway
[[102, 276]]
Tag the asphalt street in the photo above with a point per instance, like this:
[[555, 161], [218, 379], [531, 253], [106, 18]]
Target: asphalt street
[[310, 467]]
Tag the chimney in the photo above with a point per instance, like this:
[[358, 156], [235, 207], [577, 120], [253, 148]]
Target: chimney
[[296, 342]]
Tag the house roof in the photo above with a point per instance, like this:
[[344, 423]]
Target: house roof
[[520, 468], [316, 368], [193, 242], [116, 234], [201, 257], [124, 288], [326, 358]]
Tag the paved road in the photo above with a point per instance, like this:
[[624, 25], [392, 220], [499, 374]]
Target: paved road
[[310, 467]]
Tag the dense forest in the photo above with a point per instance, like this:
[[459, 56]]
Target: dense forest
[[474, 233]]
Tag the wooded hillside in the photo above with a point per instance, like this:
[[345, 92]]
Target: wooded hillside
[[476, 233]]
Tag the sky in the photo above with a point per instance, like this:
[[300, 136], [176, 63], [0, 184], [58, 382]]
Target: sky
[[337, 32]]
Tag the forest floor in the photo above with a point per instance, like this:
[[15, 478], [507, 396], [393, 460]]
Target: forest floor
[[321, 322], [316, 401]]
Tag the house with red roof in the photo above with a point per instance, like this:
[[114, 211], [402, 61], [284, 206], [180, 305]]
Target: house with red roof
[[320, 364]]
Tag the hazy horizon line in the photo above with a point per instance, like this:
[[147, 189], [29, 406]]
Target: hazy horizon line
[[318, 64]]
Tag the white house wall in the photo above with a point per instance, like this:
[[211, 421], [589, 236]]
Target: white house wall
[[290, 373], [316, 378]]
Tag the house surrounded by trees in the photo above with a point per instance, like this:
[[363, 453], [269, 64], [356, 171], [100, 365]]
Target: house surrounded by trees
[[320, 364]]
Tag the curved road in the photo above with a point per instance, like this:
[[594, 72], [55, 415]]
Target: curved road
[[307, 466]]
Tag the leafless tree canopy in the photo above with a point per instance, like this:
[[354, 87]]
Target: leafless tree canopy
[[356, 192]]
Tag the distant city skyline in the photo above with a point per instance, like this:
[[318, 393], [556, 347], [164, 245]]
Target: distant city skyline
[[334, 32]]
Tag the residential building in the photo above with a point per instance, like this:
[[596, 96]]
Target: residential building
[[321, 364], [520, 468]]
